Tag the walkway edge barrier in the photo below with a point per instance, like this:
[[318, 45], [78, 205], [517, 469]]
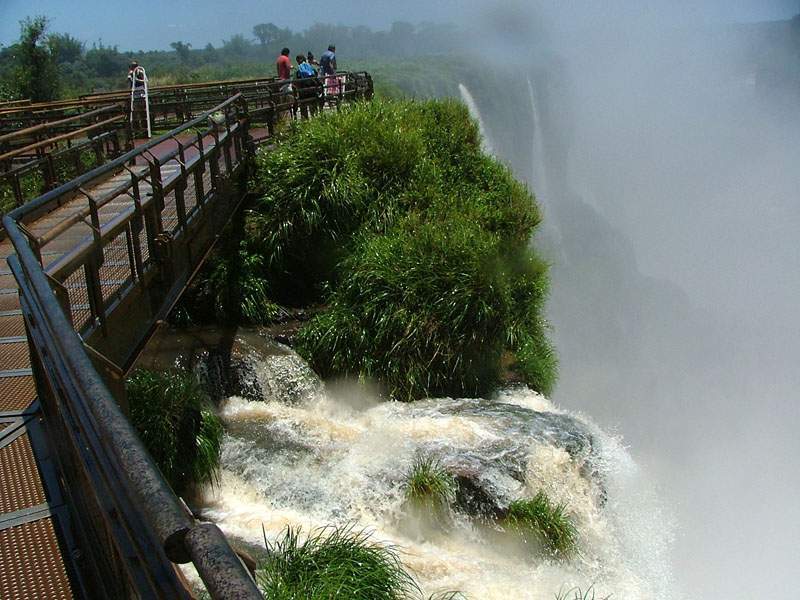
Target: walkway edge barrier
[[139, 515]]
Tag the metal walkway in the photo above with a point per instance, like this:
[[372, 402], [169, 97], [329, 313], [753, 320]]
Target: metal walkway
[[94, 265], [31, 504]]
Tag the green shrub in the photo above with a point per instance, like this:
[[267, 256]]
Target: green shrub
[[541, 523], [176, 424], [429, 490], [390, 213], [333, 563]]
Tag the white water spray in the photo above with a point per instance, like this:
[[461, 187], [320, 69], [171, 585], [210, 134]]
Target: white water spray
[[328, 459], [466, 96]]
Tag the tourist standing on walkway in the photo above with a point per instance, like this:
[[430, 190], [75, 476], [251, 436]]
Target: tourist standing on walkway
[[138, 110], [307, 84], [328, 64], [284, 66]]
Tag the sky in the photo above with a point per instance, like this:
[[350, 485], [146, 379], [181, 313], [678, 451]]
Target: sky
[[153, 24]]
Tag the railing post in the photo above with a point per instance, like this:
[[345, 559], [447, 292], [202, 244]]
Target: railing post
[[49, 173], [198, 172], [213, 157], [15, 184], [226, 146], [180, 186]]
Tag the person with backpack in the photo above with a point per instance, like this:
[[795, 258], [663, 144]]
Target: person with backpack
[[307, 84]]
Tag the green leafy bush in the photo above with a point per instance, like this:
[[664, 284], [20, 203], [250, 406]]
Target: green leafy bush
[[175, 422], [543, 524], [390, 213]]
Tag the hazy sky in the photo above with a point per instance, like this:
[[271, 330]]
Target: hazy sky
[[146, 24]]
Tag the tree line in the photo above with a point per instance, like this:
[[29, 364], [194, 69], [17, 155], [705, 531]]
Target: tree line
[[44, 65]]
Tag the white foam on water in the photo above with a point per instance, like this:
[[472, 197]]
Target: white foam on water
[[322, 462]]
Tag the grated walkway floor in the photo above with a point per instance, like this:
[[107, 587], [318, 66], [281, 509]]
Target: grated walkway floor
[[33, 544]]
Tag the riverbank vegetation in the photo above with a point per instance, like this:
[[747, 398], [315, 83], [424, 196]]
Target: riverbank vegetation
[[177, 425]]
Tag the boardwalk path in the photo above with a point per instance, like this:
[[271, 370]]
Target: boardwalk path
[[34, 526]]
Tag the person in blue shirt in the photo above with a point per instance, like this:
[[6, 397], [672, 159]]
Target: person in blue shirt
[[327, 63]]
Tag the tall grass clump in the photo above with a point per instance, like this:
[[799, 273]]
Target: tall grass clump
[[390, 214], [578, 594], [429, 490], [543, 524], [333, 563], [175, 422]]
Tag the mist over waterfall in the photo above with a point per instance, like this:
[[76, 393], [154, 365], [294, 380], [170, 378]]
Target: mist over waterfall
[[309, 455], [466, 96], [668, 174]]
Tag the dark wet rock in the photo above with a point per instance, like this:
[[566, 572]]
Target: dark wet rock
[[233, 362]]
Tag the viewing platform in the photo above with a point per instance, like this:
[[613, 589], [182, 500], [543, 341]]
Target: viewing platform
[[93, 264]]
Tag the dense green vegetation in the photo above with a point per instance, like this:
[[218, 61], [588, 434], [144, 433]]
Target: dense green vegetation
[[543, 524], [175, 422], [333, 563], [417, 242]]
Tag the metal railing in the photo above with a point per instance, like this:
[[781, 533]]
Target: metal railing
[[93, 282], [128, 522], [39, 158]]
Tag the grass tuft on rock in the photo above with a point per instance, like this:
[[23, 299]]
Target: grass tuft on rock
[[333, 563], [542, 523], [390, 214], [429, 490], [177, 425], [578, 594]]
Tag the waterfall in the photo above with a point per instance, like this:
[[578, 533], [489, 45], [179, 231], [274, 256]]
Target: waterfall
[[539, 172], [466, 96], [338, 456]]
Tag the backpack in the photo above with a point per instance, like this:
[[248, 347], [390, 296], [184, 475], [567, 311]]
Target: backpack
[[305, 70]]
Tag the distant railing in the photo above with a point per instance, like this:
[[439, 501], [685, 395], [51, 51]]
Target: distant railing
[[93, 283], [42, 157]]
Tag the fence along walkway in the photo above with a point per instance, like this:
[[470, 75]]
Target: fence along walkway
[[83, 511]]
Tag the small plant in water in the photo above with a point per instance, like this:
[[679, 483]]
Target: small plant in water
[[577, 594], [333, 563], [540, 521], [430, 490]]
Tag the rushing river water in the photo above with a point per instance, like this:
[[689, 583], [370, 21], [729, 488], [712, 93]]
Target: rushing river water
[[308, 455]]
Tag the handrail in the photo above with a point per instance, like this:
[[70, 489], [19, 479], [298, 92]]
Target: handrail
[[58, 138], [49, 124], [181, 538], [111, 166]]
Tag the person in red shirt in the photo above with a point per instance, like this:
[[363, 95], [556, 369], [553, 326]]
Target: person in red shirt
[[284, 65]]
